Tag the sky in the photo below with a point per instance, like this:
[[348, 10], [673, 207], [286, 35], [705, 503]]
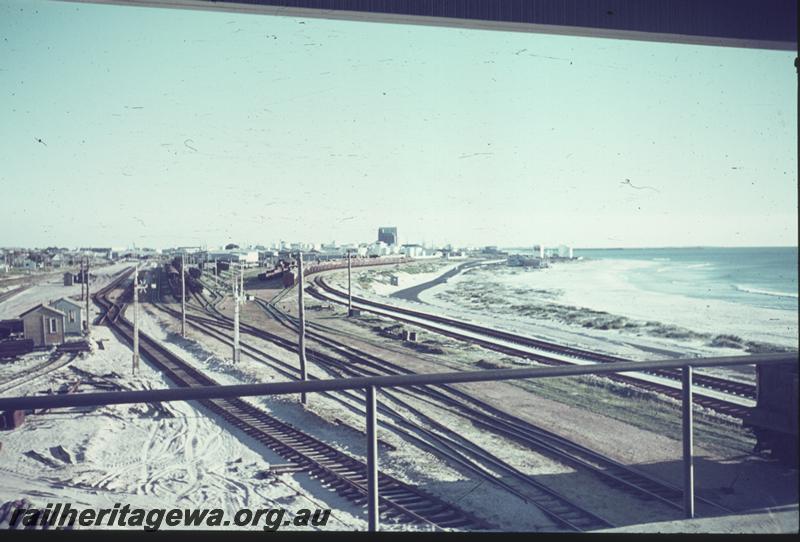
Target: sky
[[124, 126]]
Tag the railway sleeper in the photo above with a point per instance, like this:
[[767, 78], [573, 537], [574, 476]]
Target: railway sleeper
[[401, 499], [344, 471], [408, 498], [422, 506], [446, 515], [393, 493]]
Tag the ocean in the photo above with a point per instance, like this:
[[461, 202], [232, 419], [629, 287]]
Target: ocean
[[764, 277]]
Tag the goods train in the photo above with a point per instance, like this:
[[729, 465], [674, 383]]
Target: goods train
[[286, 270], [174, 277], [774, 418]]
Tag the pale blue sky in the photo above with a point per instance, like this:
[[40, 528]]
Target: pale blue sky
[[211, 127]]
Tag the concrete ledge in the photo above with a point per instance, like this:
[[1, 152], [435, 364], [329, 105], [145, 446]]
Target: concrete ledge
[[783, 519]]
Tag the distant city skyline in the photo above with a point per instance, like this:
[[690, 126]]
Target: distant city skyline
[[166, 128], [253, 246]]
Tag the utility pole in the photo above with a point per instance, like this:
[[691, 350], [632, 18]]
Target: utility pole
[[88, 320], [83, 286], [236, 301], [135, 360], [183, 296], [349, 284], [159, 278], [301, 314]]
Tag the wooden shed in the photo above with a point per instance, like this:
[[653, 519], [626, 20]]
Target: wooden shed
[[73, 315], [43, 325]]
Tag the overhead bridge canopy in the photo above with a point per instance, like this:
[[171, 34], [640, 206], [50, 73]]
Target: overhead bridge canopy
[[762, 24]]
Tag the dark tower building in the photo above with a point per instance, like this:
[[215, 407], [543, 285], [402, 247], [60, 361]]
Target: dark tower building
[[387, 235]]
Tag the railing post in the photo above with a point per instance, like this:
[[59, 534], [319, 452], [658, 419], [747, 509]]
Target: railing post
[[372, 460], [688, 460]]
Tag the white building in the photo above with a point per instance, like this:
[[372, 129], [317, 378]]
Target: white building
[[382, 249], [247, 257], [413, 251]]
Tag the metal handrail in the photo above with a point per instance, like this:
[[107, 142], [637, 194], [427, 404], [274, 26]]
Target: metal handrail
[[387, 381]]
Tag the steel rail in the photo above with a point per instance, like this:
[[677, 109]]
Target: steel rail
[[708, 381], [387, 381], [491, 418], [559, 508], [720, 405], [333, 468]]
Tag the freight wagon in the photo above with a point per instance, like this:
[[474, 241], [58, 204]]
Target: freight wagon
[[774, 418]]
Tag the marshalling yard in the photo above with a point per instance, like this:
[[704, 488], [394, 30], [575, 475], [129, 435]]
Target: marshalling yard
[[572, 453]]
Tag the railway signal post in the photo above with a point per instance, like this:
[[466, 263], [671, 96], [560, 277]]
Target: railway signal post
[[301, 315], [183, 296]]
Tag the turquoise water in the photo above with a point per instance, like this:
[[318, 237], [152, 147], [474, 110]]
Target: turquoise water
[[760, 277]]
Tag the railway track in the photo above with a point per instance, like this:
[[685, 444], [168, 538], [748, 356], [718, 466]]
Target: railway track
[[510, 341], [561, 510], [491, 418], [11, 293], [336, 470], [58, 360], [453, 447]]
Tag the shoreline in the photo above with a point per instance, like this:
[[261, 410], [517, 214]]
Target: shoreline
[[595, 294], [589, 304]]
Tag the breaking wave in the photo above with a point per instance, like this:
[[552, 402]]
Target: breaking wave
[[764, 292]]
